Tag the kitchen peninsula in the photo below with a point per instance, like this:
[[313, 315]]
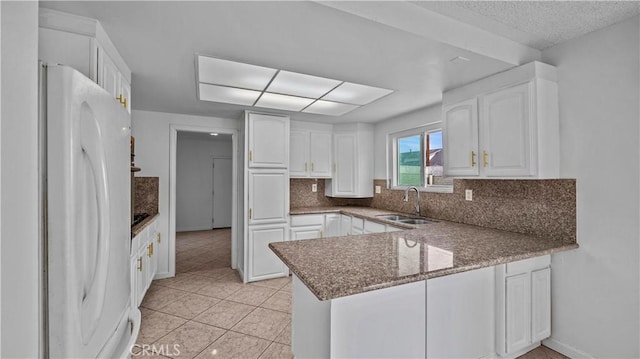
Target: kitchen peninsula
[[351, 293]]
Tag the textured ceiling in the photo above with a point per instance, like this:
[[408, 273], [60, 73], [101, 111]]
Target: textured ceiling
[[538, 24]]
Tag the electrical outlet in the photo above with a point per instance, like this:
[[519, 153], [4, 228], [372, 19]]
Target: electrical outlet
[[314, 187], [468, 195], [378, 189]]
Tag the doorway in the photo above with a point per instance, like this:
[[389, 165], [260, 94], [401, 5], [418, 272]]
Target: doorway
[[222, 183]]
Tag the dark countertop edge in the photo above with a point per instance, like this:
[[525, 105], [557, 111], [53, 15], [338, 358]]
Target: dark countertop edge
[[429, 275], [138, 228]]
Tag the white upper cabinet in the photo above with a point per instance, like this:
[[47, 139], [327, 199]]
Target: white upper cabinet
[[83, 44], [504, 126], [310, 153], [461, 138], [268, 140], [352, 162]]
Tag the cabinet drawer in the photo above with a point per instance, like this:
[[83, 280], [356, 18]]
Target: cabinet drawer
[[527, 265], [307, 220], [374, 227], [357, 222]]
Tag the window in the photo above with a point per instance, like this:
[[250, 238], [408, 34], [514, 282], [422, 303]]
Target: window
[[416, 159]]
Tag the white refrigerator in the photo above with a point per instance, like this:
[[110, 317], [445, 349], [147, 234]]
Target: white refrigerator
[[88, 313]]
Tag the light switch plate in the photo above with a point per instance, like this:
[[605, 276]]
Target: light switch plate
[[378, 189], [314, 187], [468, 195]]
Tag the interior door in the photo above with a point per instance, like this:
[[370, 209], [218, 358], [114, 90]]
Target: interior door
[[222, 188]]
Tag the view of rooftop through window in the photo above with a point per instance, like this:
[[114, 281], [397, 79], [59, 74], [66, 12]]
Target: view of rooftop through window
[[420, 161]]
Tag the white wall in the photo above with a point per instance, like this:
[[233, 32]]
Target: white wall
[[407, 121], [595, 291], [20, 247], [194, 180], [152, 132]]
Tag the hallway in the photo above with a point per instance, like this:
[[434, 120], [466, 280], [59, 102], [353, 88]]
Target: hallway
[[206, 311]]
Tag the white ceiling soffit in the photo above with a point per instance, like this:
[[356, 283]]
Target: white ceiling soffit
[[537, 24], [422, 21]]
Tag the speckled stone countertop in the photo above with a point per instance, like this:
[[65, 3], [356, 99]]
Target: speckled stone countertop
[[135, 230], [341, 266]]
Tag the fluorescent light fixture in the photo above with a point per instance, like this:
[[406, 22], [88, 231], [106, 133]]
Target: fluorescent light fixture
[[213, 134], [250, 85], [283, 102], [295, 84], [356, 94], [234, 74], [225, 94], [329, 108]]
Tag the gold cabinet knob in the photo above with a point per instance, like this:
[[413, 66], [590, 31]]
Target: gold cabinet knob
[[473, 159], [485, 163]]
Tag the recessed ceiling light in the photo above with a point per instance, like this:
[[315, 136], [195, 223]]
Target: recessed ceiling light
[[224, 94], [234, 74], [322, 107], [295, 84], [213, 134], [356, 94], [283, 102]]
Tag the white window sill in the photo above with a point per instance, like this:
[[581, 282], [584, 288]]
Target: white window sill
[[434, 188]]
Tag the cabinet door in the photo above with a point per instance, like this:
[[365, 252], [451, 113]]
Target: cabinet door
[[263, 263], [518, 312], [460, 138], [320, 154], [332, 225], [268, 196], [344, 177], [108, 74], [141, 275], [541, 304], [505, 120], [298, 155], [345, 225], [125, 92], [307, 232], [268, 141]]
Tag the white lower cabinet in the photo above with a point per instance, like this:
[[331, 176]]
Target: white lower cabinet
[[144, 261], [263, 263], [523, 305], [332, 225], [345, 225]]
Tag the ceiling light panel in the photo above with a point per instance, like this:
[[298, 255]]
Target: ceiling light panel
[[235, 74], [283, 102], [356, 94], [329, 108], [228, 94], [296, 84]]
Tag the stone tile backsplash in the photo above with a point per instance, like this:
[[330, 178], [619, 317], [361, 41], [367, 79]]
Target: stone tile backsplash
[[544, 208], [147, 193]]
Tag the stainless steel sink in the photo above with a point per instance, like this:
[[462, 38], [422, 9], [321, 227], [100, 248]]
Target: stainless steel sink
[[404, 219]]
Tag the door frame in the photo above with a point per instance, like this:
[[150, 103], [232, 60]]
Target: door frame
[[173, 145], [213, 158]]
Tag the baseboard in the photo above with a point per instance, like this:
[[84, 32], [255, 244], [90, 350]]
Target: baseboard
[[191, 229], [565, 349]]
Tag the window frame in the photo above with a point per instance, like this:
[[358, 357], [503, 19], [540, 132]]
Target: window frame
[[392, 158]]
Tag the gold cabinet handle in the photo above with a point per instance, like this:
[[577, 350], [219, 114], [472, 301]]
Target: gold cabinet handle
[[119, 98], [305, 167], [473, 159], [484, 159], [159, 240], [250, 155], [124, 102], [321, 234], [312, 167], [149, 250], [140, 264], [250, 213]]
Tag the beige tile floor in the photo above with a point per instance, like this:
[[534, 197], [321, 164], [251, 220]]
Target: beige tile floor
[[208, 312]]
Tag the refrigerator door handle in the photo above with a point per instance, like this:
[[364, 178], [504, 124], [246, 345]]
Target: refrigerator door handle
[[93, 300]]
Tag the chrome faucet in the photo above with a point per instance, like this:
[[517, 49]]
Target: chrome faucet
[[406, 198]]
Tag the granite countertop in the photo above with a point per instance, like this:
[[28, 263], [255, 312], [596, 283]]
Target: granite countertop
[[135, 230], [341, 266]]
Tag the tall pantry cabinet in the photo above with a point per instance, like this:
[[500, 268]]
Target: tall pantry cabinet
[[266, 193]]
